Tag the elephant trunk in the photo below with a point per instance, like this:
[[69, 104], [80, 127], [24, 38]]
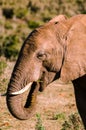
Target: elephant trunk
[[14, 102]]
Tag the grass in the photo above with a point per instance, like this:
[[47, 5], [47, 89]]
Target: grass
[[59, 116], [3, 79], [3, 85], [39, 125], [3, 65], [73, 123]]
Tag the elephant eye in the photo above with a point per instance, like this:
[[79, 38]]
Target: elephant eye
[[41, 55]]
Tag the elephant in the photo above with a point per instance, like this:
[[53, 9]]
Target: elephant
[[54, 50]]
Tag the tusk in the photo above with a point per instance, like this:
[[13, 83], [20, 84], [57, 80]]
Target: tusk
[[22, 90]]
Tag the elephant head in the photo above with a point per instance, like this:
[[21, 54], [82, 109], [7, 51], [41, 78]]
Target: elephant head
[[50, 51]]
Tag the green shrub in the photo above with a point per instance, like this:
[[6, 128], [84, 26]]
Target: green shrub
[[11, 47], [21, 12], [33, 24], [46, 19], [8, 25]]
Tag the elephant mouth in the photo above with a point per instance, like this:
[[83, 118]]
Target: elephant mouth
[[27, 87], [41, 82], [45, 79], [23, 89]]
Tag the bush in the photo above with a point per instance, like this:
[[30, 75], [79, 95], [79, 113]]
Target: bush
[[33, 24], [46, 19], [8, 25], [11, 47], [21, 12]]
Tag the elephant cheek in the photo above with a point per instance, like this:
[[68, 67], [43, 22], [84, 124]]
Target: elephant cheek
[[36, 74]]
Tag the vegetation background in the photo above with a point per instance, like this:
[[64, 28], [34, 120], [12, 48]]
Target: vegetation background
[[17, 19]]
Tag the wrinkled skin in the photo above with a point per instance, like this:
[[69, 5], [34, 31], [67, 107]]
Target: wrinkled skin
[[54, 50]]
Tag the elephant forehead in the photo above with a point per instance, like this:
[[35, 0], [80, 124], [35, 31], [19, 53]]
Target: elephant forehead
[[46, 43], [43, 37]]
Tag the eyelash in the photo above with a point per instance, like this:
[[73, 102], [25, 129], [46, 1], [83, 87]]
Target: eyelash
[[41, 56]]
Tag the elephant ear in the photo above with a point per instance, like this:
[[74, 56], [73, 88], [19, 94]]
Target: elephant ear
[[58, 18], [74, 65]]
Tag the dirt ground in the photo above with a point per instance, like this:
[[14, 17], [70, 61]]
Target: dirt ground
[[57, 98]]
